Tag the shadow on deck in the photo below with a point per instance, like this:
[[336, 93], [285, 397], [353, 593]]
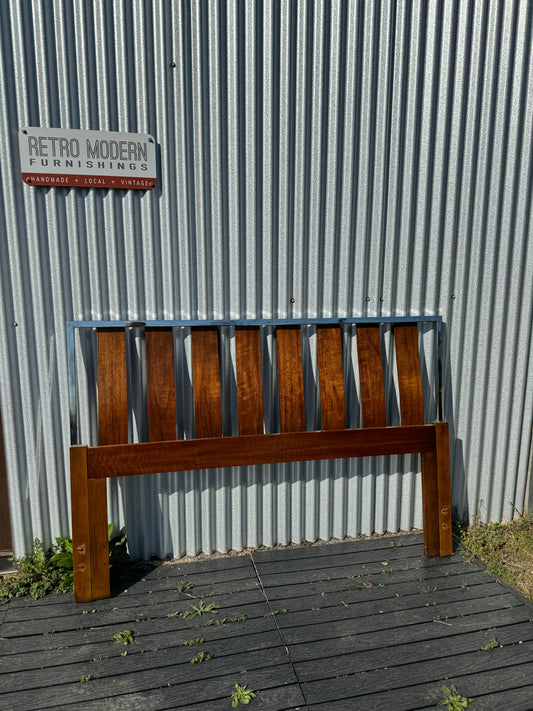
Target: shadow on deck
[[368, 624]]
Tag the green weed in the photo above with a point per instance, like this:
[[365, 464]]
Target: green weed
[[453, 700], [200, 658], [242, 695], [200, 609], [492, 644], [505, 548], [39, 573], [45, 571], [124, 637], [183, 587], [194, 642]]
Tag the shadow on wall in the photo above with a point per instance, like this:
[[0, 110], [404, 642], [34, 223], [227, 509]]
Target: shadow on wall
[[460, 503], [5, 518]]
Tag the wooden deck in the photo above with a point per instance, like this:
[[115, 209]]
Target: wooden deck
[[360, 625]]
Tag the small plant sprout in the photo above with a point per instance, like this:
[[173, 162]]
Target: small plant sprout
[[201, 657], [194, 642], [453, 700], [183, 587], [124, 637], [243, 618], [200, 609], [241, 695], [85, 678], [492, 644]]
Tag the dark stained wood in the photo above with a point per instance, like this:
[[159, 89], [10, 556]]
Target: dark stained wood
[[430, 503], [409, 377], [5, 518], [206, 377], [290, 377], [371, 376], [330, 373], [160, 385], [442, 457], [249, 380], [79, 492], [184, 455], [114, 457], [112, 387], [98, 538], [112, 429]]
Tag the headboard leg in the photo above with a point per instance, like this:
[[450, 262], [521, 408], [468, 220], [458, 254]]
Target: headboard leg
[[89, 530], [436, 495], [444, 488]]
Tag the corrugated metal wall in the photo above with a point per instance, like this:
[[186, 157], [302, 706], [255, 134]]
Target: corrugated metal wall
[[317, 158]]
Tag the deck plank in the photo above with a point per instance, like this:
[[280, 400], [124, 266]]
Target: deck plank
[[367, 625]]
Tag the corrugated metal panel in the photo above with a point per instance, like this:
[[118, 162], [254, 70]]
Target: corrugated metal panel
[[320, 158]]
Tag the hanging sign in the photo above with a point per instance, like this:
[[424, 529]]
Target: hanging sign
[[87, 159]]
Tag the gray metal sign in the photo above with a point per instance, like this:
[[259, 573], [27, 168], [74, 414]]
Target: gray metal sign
[[87, 159]]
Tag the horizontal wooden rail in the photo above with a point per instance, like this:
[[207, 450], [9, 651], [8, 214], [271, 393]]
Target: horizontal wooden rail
[[184, 455]]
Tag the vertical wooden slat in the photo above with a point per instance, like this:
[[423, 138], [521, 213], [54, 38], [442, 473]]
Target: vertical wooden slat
[[409, 377], [290, 377], [112, 387], [329, 356], [249, 380], [160, 385], [81, 554], [112, 429], [371, 376], [206, 378], [444, 488]]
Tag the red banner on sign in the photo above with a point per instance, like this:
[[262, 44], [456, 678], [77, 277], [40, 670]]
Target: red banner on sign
[[88, 181]]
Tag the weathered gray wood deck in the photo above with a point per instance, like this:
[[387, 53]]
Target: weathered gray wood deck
[[366, 624]]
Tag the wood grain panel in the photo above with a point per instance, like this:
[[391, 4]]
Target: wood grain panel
[[249, 380], [444, 488], [184, 455], [112, 387], [161, 385], [329, 356], [409, 377], [206, 377], [290, 377], [430, 504], [371, 376], [98, 539], [79, 493]]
